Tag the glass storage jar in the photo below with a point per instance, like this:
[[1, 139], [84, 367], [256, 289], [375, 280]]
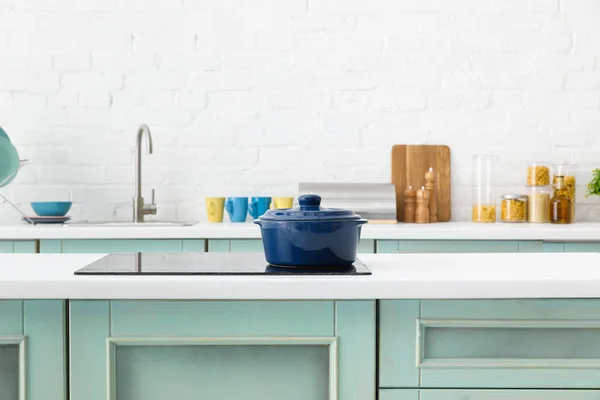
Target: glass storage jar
[[483, 199], [567, 171], [538, 174], [538, 203], [513, 208]]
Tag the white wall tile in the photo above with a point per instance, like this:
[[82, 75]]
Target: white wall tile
[[253, 96]]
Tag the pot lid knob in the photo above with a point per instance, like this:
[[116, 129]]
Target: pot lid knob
[[309, 202]]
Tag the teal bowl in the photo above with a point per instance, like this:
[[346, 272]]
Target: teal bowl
[[51, 208]]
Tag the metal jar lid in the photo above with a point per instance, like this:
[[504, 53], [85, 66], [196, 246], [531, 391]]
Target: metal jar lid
[[515, 196]]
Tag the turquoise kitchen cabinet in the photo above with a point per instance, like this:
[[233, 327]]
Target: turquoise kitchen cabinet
[[121, 245], [447, 246], [366, 246], [156, 350], [397, 394], [32, 350], [583, 247], [18, 246], [489, 344], [235, 245], [538, 246]]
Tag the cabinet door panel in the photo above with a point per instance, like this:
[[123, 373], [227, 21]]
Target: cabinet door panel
[[582, 247], [509, 395], [398, 394], [246, 246], [120, 246], [9, 371], [235, 245], [32, 350], [538, 246], [223, 350], [222, 372], [456, 394], [235, 318], [490, 344], [447, 246], [17, 246], [366, 246]]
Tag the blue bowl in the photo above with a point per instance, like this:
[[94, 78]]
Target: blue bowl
[[51, 208]]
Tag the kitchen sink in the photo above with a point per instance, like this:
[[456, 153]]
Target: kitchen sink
[[112, 224]]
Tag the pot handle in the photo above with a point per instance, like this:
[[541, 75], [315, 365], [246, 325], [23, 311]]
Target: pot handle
[[229, 206], [252, 209], [309, 202]]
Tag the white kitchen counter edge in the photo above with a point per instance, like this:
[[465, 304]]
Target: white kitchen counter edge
[[584, 231], [400, 276]]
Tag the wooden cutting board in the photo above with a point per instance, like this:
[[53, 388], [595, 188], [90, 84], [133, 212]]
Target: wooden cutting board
[[409, 165]]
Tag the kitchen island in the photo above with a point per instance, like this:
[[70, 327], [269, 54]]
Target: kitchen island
[[439, 326]]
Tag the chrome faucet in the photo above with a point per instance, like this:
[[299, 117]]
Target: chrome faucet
[[139, 208]]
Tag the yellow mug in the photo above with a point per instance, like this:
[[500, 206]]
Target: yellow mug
[[282, 202], [214, 208]]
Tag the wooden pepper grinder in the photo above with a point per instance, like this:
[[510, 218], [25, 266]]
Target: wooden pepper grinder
[[410, 198], [430, 186], [422, 213]]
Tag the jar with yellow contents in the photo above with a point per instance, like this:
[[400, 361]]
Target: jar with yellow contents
[[567, 171], [513, 208]]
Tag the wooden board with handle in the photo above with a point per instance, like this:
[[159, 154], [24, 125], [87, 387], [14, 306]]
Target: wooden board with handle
[[409, 165]]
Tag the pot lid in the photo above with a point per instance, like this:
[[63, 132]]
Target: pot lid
[[309, 210]]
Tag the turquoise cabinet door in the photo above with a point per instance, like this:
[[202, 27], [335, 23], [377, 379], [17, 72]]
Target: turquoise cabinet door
[[582, 247], [538, 246], [121, 245], [490, 344], [396, 394], [366, 246], [235, 245], [32, 350], [18, 246], [447, 246], [155, 350]]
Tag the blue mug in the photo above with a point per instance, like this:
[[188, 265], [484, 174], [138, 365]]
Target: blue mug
[[259, 206], [237, 208]]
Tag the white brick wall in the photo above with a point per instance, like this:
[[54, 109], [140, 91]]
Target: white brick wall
[[249, 97]]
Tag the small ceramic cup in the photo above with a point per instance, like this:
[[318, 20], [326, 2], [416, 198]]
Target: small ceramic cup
[[237, 208], [282, 202], [259, 206], [214, 208]]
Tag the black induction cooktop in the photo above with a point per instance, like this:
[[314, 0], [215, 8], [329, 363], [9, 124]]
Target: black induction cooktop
[[205, 264]]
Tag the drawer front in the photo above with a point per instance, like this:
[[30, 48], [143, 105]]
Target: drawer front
[[447, 246], [453, 394], [490, 344], [582, 247], [17, 246], [121, 245]]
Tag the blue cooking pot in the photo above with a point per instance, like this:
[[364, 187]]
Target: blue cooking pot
[[310, 235]]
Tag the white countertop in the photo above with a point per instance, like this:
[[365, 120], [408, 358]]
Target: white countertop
[[584, 231], [399, 276]]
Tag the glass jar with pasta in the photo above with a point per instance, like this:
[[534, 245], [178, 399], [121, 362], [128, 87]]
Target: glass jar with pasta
[[538, 174], [566, 170], [538, 204], [484, 201], [513, 208]]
